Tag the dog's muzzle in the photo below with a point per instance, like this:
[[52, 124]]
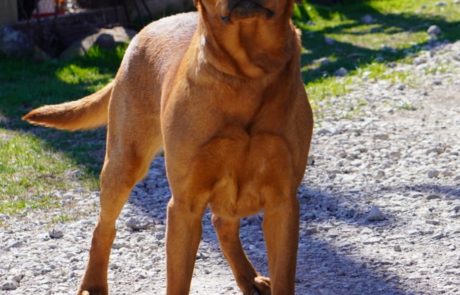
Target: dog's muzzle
[[241, 9]]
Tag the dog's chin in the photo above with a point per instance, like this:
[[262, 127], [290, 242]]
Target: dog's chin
[[247, 9]]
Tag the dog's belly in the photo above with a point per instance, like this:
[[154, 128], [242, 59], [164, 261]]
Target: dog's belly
[[241, 172]]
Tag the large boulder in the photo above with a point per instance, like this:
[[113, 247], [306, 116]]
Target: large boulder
[[15, 43], [104, 38]]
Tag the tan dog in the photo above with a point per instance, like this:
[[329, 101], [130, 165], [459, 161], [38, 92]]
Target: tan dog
[[220, 90]]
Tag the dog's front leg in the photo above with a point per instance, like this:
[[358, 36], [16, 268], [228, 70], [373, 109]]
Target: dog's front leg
[[281, 231], [182, 240]]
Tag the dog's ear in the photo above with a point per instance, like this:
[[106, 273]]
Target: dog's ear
[[195, 2]]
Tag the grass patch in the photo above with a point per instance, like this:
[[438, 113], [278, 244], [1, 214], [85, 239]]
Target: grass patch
[[36, 161], [397, 32]]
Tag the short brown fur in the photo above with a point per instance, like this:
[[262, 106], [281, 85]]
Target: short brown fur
[[220, 90]]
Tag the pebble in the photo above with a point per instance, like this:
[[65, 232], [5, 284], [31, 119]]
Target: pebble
[[375, 215], [441, 4], [433, 173], [324, 61], [434, 31], [367, 19], [10, 286], [341, 72], [56, 233], [381, 136], [136, 224], [329, 40]]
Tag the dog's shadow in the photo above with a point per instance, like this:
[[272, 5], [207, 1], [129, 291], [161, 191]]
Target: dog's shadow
[[322, 269]]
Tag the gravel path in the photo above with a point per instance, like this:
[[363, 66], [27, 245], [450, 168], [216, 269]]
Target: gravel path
[[380, 205]]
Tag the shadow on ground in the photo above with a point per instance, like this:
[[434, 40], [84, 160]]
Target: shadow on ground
[[352, 56], [317, 259]]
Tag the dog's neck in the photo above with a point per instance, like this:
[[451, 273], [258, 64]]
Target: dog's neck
[[251, 48]]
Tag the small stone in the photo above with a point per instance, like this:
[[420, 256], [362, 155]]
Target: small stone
[[56, 233], [401, 87], [381, 136], [380, 174], [395, 155], [367, 19], [438, 236], [434, 31], [375, 215], [324, 61], [397, 248], [341, 72], [441, 4], [329, 40], [420, 60], [388, 48], [136, 224], [433, 197], [433, 173], [18, 278], [10, 286]]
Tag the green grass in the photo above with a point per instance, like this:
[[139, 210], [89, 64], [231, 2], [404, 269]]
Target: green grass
[[359, 47], [35, 161]]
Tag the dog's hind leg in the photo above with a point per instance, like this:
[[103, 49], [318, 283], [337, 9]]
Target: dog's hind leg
[[246, 276], [131, 145]]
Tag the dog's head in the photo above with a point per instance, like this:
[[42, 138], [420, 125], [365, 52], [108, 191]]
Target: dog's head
[[233, 11]]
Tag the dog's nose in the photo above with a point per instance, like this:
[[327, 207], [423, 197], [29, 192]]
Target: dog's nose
[[233, 3]]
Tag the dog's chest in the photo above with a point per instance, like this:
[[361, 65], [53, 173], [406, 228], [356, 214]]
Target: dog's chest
[[240, 172]]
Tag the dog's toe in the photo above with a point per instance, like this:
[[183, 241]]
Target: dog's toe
[[262, 285], [102, 291]]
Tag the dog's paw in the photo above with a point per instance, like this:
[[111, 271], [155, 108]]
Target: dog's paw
[[93, 292], [262, 286]]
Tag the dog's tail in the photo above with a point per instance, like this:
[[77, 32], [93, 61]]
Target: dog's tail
[[86, 113]]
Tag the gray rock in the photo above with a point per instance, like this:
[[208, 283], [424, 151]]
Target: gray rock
[[380, 174], [324, 61], [375, 215], [420, 60], [137, 224], [434, 31], [341, 72], [15, 43], [401, 87], [56, 233], [367, 19], [105, 38], [433, 173], [10, 286], [437, 82], [388, 48], [329, 41], [381, 136], [441, 4]]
